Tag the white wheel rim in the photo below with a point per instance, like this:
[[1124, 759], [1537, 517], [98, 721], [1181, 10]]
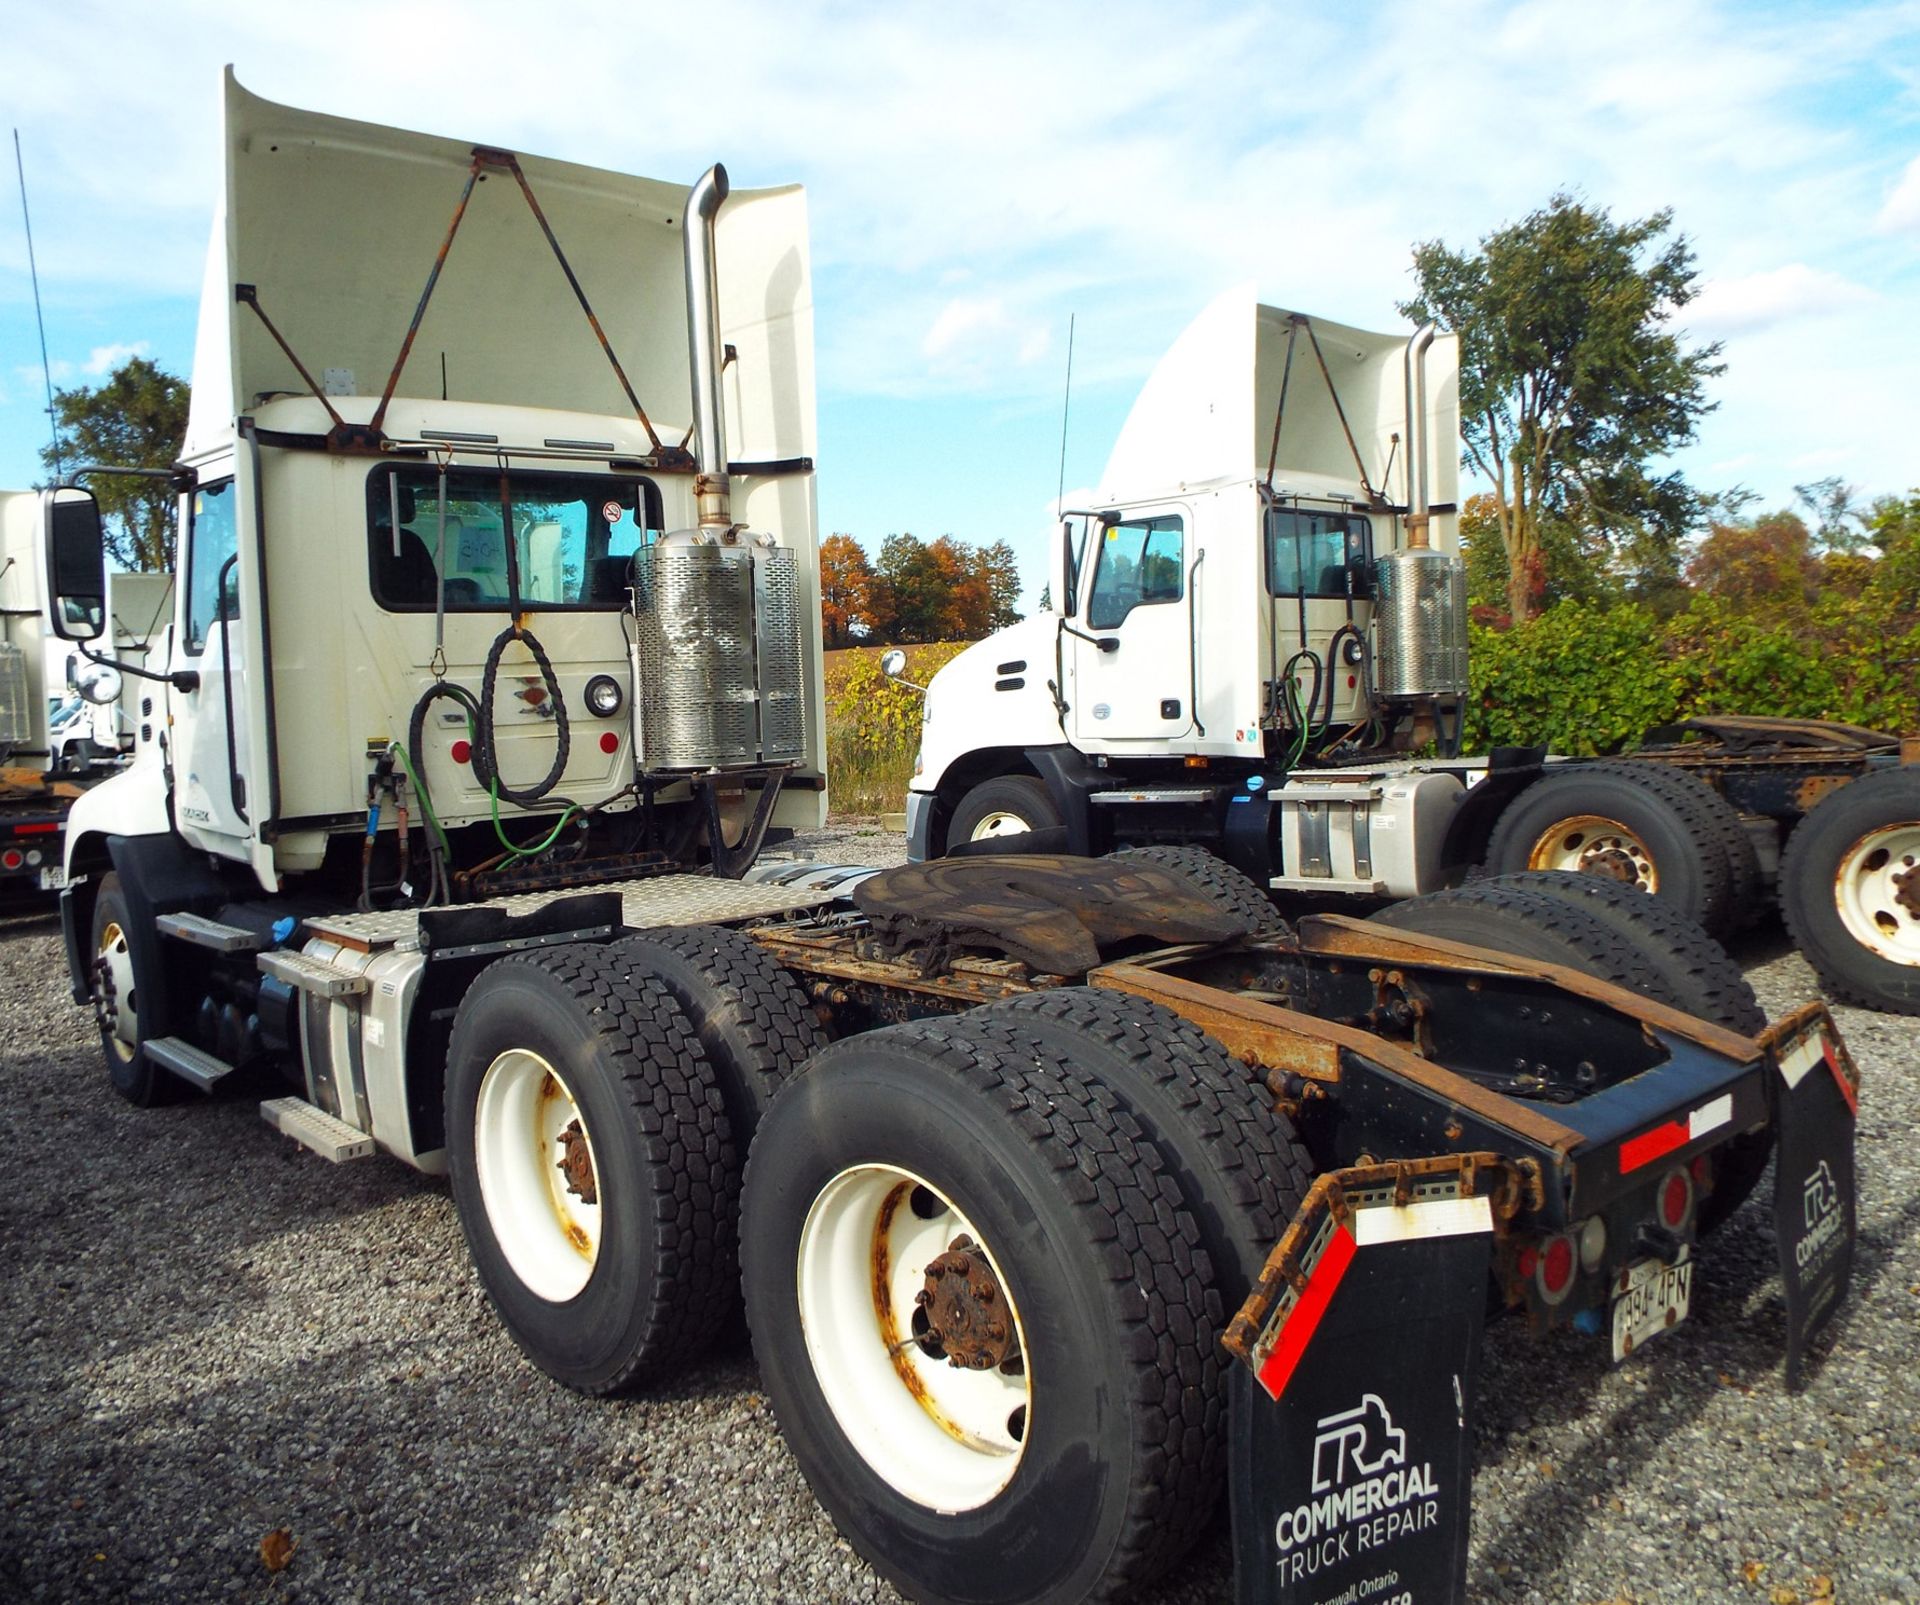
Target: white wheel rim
[[548, 1231], [999, 823], [1592, 844], [946, 1438], [1876, 890], [118, 958]]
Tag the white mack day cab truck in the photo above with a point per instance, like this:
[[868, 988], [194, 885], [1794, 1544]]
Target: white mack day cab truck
[[1262, 621], [1067, 1195]]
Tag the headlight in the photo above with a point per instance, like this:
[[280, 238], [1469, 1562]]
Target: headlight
[[603, 696]]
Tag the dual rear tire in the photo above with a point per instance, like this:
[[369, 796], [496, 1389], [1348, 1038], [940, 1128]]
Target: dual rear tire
[[987, 1263]]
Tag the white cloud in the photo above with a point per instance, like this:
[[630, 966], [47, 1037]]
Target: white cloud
[[1779, 295], [1902, 208], [104, 359]]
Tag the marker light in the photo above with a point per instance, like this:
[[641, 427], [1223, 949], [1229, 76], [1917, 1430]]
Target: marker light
[[603, 697], [462, 751], [1593, 1243]]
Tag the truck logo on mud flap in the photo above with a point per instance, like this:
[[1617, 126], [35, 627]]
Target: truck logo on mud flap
[[1820, 1204], [1365, 1494], [1347, 1439], [1821, 1195]]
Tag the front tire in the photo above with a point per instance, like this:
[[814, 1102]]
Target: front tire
[[1007, 805], [1850, 891], [1077, 1451], [592, 1165], [123, 956]]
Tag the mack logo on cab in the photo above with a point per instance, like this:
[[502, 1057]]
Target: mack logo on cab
[[1366, 1493]]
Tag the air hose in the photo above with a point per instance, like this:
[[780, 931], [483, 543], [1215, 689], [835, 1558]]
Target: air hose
[[485, 759]]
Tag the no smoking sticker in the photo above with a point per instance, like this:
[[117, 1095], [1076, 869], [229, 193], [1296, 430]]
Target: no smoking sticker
[[611, 512]]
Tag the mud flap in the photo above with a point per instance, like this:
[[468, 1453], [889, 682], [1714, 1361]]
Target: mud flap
[[1352, 1417], [1816, 1100]]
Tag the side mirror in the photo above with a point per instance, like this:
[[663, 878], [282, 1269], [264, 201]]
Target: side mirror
[[893, 664], [76, 565], [1064, 576]]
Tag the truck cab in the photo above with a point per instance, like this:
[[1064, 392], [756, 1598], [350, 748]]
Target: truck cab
[[1289, 606]]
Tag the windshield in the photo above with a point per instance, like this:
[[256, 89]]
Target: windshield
[[551, 540]]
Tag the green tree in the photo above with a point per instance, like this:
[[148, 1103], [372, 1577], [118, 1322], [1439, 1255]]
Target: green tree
[[1572, 383], [135, 418], [1838, 523]]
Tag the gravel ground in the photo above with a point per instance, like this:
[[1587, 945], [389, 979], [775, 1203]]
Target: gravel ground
[[207, 1335]]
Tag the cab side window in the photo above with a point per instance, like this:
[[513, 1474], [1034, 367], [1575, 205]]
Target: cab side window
[[1140, 563], [212, 537]]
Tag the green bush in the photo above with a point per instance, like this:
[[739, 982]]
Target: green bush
[[1584, 679]]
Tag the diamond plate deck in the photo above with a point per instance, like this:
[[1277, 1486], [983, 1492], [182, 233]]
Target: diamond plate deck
[[656, 900]]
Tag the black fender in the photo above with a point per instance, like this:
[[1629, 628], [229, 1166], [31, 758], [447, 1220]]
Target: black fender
[[158, 875], [1070, 779], [1510, 770]]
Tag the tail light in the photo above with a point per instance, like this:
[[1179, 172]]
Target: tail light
[[1675, 1200], [1554, 1272], [12, 858]]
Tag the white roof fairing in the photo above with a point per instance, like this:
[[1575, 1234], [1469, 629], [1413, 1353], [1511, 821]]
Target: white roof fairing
[[337, 225], [1206, 414]]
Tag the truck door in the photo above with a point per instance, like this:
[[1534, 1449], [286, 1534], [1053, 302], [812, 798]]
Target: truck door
[[1138, 597], [211, 749]]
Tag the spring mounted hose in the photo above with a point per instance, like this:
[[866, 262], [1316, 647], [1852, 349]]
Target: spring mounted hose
[[485, 757]]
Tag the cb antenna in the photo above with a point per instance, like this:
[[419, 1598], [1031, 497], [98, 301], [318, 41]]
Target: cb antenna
[[1066, 406], [33, 270]]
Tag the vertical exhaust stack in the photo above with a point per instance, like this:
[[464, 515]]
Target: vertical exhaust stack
[[1420, 602], [720, 677], [711, 489]]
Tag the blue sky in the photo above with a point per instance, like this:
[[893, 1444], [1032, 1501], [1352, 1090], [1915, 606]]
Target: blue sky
[[978, 175]]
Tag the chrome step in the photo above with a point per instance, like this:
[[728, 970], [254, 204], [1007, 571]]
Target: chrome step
[[1153, 794], [203, 932], [316, 1129], [189, 1063], [313, 975]]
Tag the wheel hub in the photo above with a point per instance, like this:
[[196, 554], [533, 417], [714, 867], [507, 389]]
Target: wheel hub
[[1592, 844], [1906, 888], [966, 1311], [576, 1164], [1876, 891], [113, 996]]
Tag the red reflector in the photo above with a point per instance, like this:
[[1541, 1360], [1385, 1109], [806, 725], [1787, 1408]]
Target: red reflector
[[534, 695], [462, 751], [1529, 1261], [1556, 1266], [12, 858], [36, 830], [1651, 1145], [1702, 1168], [1352, 681], [1676, 1200], [609, 742], [1304, 1319]]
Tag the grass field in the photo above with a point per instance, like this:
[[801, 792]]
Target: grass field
[[873, 726]]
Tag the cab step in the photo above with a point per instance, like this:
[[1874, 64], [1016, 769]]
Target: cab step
[[312, 975], [203, 932], [190, 1064], [330, 1138]]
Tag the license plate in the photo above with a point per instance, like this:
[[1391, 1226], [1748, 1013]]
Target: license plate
[[53, 878], [1652, 1297]]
